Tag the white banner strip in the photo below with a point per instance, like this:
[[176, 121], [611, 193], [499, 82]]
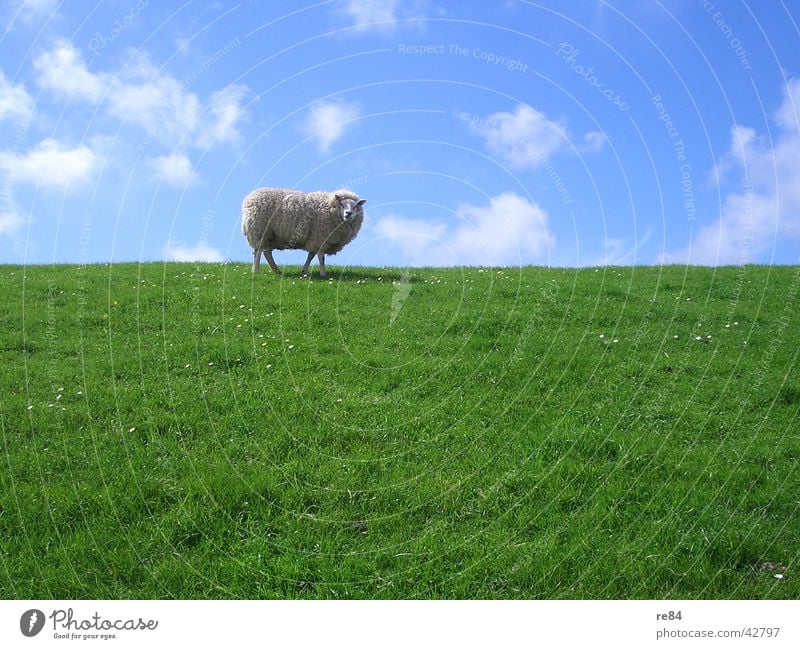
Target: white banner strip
[[154, 624]]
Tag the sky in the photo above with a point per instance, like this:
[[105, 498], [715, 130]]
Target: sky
[[557, 133]]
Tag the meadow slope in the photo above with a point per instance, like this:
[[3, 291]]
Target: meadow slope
[[189, 431]]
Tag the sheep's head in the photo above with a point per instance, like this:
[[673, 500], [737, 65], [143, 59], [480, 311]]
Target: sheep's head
[[349, 208]]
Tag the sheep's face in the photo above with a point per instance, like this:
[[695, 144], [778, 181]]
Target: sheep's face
[[349, 209]]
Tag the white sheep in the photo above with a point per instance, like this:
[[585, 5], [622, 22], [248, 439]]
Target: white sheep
[[321, 223]]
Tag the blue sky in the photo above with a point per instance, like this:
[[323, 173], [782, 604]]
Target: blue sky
[[557, 133]]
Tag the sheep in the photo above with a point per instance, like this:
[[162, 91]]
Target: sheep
[[321, 223]]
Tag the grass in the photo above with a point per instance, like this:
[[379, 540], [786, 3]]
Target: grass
[[189, 431]]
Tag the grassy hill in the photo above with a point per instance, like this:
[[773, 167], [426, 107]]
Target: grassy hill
[[188, 431]]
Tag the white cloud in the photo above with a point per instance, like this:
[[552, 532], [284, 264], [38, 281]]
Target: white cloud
[[527, 138], [41, 7], [30, 10], [144, 96], [384, 14], [593, 141], [225, 112], [327, 120], [742, 139], [174, 169], [788, 114], [62, 70], [365, 12], [616, 252], [412, 237], [10, 222], [49, 164], [176, 251], [767, 207], [15, 102], [155, 101], [523, 138], [510, 230]]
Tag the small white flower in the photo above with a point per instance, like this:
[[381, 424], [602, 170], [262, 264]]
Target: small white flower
[[675, 336], [698, 338], [602, 335], [291, 346], [30, 407], [132, 429], [616, 340], [210, 364]]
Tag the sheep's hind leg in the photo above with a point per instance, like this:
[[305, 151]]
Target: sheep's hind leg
[[321, 258], [256, 260], [308, 261], [272, 265]]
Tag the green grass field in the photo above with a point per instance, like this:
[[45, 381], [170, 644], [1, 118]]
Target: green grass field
[[188, 431]]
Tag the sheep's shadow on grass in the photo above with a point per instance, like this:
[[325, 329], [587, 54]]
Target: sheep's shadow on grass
[[348, 275], [356, 274]]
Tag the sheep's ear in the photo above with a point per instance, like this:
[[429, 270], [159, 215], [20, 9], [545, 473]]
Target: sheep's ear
[[361, 202], [338, 197]]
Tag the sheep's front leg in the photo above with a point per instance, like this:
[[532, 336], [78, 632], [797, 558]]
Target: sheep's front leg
[[308, 261], [256, 260], [272, 265], [321, 258]]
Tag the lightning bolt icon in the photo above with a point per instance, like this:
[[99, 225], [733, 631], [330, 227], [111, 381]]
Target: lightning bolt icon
[[34, 617]]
